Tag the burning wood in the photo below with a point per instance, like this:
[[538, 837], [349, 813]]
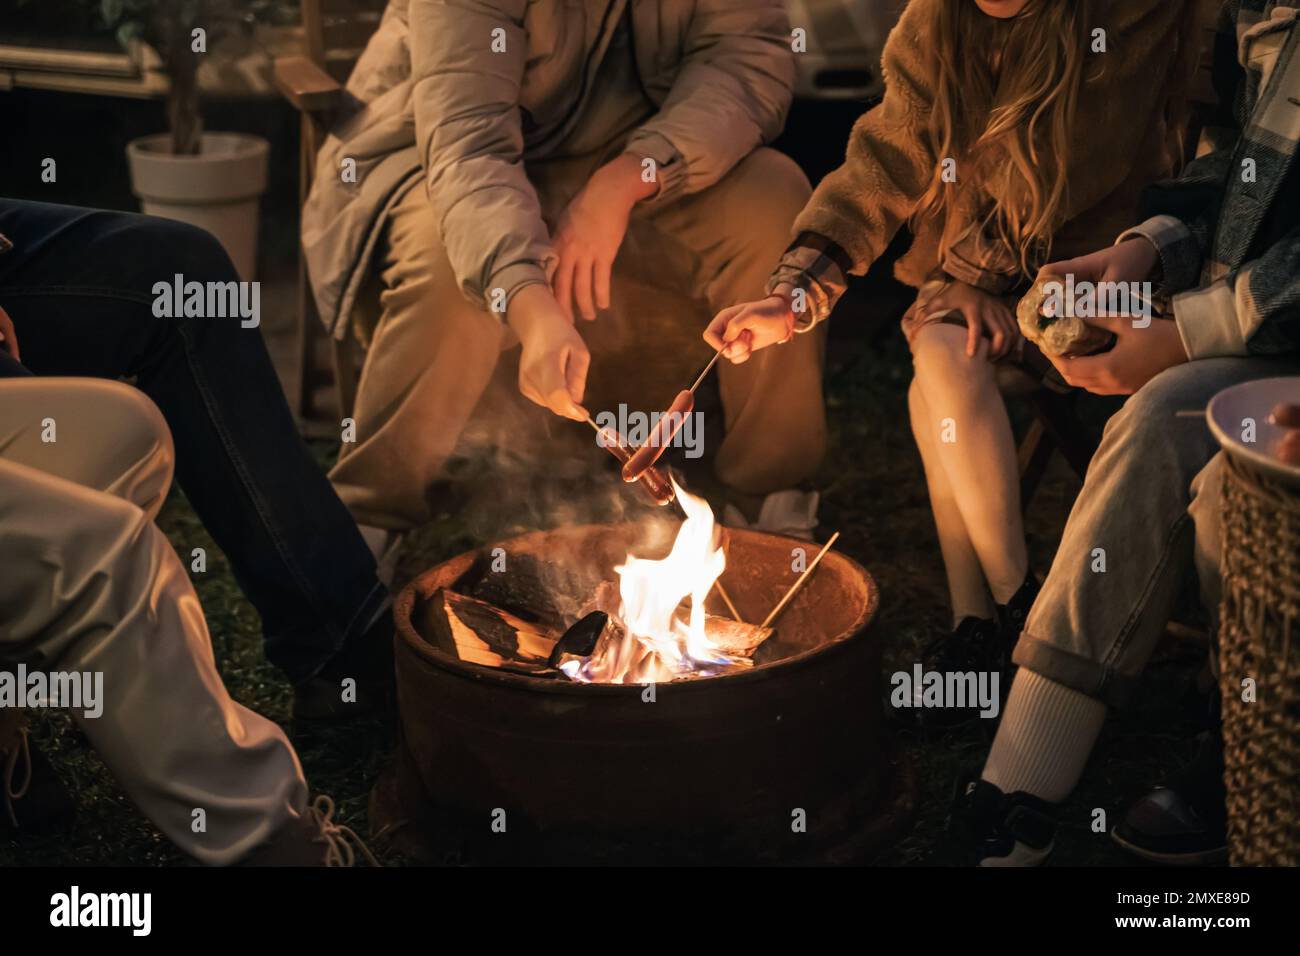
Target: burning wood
[[647, 638], [581, 639], [735, 637], [545, 594], [480, 633], [649, 626]]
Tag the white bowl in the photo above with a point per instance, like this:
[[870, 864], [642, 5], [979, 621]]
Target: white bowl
[[1230, 407]]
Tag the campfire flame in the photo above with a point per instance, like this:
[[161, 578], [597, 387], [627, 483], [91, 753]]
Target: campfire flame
[[657, 643]]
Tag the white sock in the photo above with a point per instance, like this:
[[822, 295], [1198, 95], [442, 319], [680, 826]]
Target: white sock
[[1047, 732]]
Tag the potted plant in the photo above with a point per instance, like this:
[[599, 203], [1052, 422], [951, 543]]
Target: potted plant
[[213, 180]]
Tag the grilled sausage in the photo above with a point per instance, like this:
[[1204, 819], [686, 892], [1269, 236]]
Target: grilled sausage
[[653, 481], [660, 437]]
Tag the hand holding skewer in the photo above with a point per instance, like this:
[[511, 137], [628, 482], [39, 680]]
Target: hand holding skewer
[[665, 428], [739, 331]]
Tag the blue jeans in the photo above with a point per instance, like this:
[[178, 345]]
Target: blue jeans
[[78, 285], [1094, 630]]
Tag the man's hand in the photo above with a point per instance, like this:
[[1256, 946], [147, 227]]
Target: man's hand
[[590, 231], [8, 337], [983, 313], [740, 330], [1139, 355], [553, 367], [1133, 260]]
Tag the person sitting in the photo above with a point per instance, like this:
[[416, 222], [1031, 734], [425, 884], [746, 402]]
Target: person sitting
[[86, 292], [92, 587], [987, 141], [507, 167], [1224, 241]]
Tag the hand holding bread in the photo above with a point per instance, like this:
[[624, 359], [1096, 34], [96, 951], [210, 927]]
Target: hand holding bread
[[1045, 320]]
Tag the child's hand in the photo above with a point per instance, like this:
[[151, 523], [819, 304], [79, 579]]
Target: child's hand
[[1133, 260], [1139, 355], [983, 313], [743, 329]]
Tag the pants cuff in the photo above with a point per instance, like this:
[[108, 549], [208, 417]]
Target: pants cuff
[[1079, 673]]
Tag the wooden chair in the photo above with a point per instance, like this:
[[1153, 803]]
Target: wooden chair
[[335, 31]]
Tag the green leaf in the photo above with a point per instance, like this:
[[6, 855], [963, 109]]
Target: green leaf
[[128, 31]]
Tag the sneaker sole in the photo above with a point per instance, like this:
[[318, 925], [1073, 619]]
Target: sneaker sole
[[1215, 857], [1021, 856]]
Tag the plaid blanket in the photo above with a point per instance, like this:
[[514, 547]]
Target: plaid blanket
[[1228, 230]]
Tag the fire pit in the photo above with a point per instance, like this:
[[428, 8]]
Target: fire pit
[[779, 760]]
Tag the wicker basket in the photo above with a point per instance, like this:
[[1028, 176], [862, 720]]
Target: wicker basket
[[1260, 639]]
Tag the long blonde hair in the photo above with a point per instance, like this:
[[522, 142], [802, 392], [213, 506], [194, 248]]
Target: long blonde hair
[[1006, 96]]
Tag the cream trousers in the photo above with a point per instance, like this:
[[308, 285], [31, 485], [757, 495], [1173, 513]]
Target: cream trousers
[[90, 584]]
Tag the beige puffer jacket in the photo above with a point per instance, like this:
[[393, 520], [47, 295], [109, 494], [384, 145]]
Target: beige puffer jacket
[[434, 104]]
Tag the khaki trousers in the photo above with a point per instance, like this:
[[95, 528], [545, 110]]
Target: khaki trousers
[[432, 355], [90, 584]]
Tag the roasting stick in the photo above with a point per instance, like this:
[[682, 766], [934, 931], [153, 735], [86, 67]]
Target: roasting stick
[[794, 588], [726, 598], [708, 368], [722, 592]]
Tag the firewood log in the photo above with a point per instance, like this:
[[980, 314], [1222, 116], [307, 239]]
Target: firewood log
[[480, 633]]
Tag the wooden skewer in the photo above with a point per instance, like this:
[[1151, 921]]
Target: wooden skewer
[[726, 598], [794, 588], [711, 363]]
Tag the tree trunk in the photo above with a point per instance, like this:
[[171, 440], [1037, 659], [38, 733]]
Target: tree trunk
[[183, 114]]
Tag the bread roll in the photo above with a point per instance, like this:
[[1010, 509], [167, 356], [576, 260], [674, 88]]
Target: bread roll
[[1059, 334]]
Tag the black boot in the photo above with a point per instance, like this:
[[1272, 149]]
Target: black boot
[[975, 645], [1183, 822], [366, 661], [987, 827], [33, 801], [1011, 616]]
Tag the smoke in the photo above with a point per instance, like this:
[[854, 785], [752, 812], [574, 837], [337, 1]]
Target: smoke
[[518, 468]]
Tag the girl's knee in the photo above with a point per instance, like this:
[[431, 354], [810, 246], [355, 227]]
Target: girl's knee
[[939, 351], [938, 341]]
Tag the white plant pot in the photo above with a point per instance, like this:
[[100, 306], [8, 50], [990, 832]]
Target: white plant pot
[[218, 189]]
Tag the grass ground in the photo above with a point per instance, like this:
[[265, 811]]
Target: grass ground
[[873, 492]]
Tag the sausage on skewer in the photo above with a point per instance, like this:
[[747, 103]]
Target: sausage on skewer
[[661, 436], [654, 481]]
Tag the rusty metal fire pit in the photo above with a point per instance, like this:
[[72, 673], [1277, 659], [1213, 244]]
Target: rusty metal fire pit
[[784, 762]]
